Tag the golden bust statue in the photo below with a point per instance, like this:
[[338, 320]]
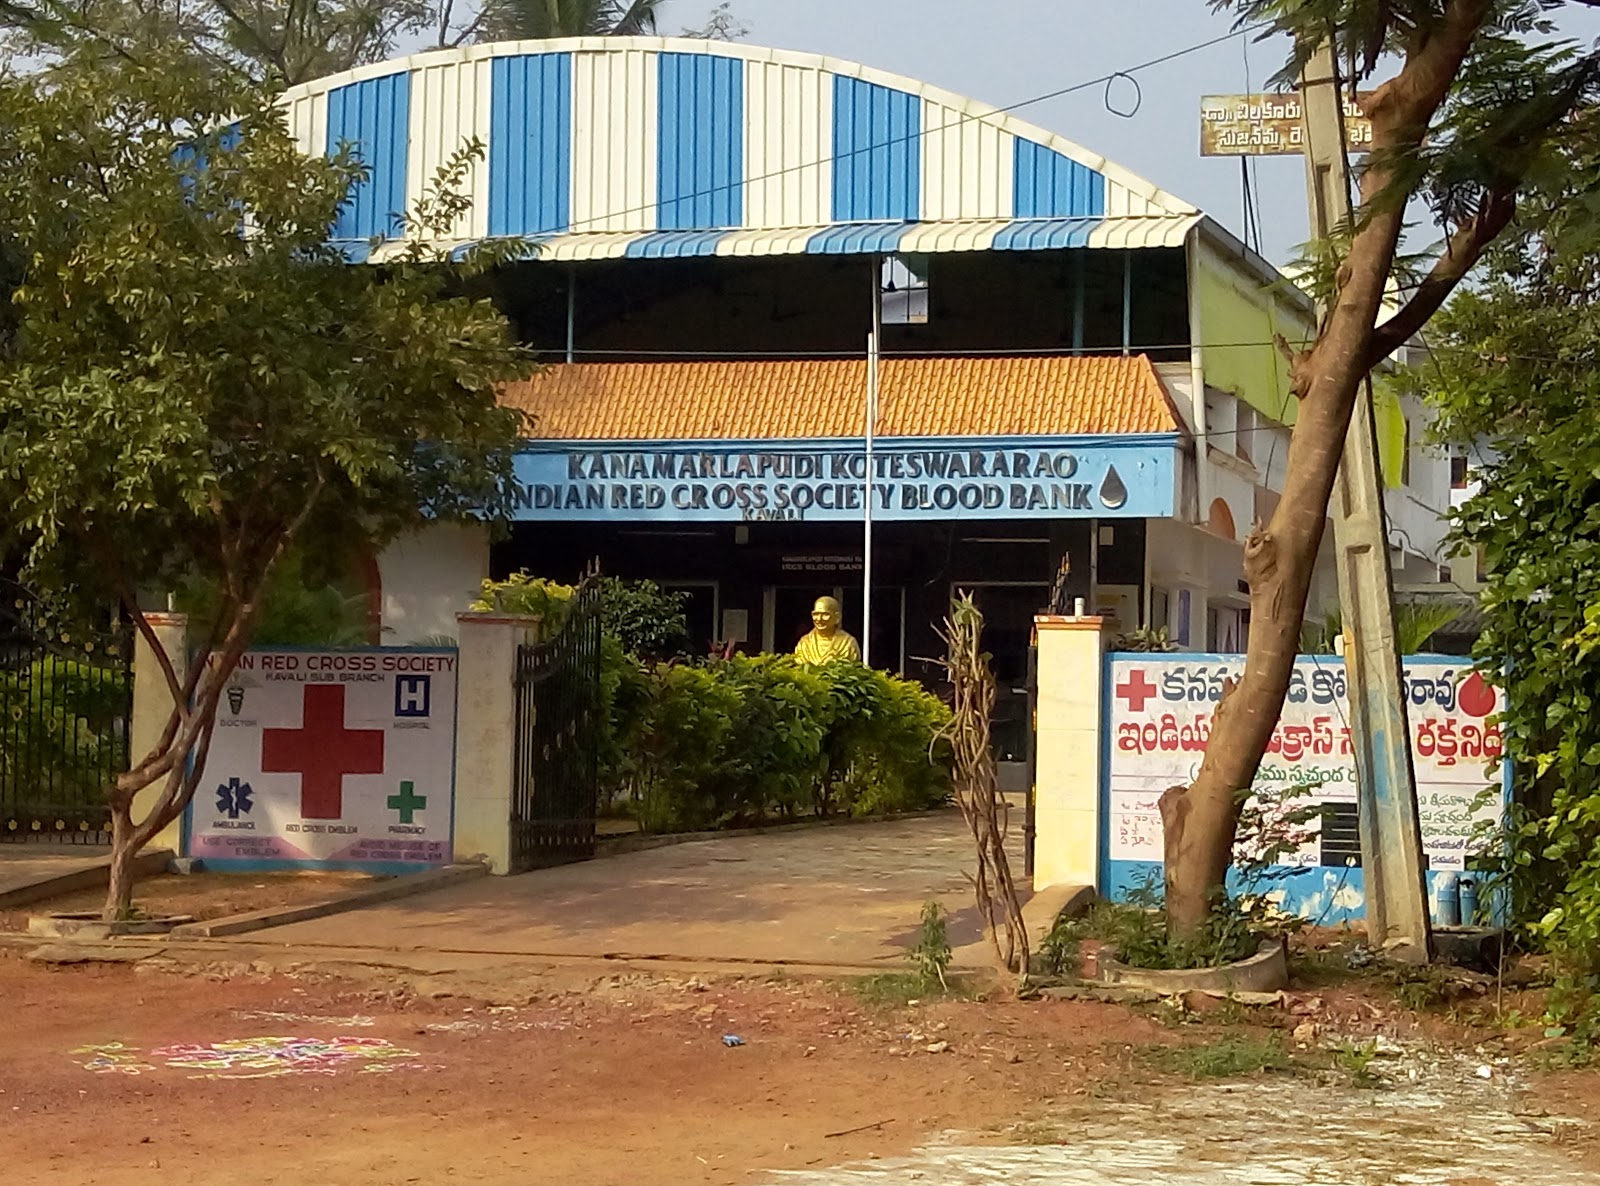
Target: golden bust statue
[[827, 641]]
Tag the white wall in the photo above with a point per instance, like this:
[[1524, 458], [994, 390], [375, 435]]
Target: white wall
[[430, 577], [1418, 509]]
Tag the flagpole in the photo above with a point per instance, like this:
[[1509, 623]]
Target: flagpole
[[866, 500]]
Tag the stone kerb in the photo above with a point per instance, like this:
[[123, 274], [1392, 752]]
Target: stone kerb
[[1068, 751], [486, 734]]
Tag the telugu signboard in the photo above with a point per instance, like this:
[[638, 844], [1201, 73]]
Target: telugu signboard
[[338, 759], [1160, 711], [1269, 125], [1051, 479]]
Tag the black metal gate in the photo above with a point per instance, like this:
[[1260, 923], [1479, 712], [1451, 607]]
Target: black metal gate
[[556, 770], [66, 696]]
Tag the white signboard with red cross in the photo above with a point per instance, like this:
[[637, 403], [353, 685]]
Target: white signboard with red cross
[[1159, 714], [331, 759]]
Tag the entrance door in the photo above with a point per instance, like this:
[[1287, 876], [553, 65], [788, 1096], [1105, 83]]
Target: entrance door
[[1008, 611], [791, 615], [887, 626]]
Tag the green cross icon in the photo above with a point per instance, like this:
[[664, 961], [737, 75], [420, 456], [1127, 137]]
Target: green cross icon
[[407, 802]]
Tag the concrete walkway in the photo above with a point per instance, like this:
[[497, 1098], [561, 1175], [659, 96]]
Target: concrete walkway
[[848, 896], [25, 864]]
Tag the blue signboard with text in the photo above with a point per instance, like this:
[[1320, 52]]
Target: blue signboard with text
[[827, 481]]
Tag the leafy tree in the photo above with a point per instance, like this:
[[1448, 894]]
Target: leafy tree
[[507, 20], [282, 42], [1474, 93], [1516, 377], [286, 42], [1415, 623], [720, 25], [647, 620], [195, 383]]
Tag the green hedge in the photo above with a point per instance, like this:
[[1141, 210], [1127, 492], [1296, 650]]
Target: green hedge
[[691, 745], [747, 740]]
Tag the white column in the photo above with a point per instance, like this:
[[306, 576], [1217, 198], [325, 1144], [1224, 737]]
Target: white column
[[1068, 752], [152, 709], [486, 718]]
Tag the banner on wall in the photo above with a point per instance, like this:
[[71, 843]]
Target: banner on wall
[[335, 759], [1160, 711], [911, 479]]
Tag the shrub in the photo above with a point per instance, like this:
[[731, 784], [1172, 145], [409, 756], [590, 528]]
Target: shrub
[[300, 606], [682, 749], [767, 737], [536, 597], [645, 618], [884, 752], [743, 739], [774, 763]]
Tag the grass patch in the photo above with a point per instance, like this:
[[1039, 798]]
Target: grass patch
[[1323, 967], [1355, 1060], [1230, 1057], [1136, 930], [892, 990]]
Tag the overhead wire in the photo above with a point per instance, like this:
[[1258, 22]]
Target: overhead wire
[[1110, 350], [966, 117]]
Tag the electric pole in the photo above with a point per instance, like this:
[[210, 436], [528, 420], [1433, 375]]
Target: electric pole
[[1391, 835]]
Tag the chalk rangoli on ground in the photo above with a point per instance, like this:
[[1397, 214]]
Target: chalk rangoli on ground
[[255, 1058], [359, 1020]]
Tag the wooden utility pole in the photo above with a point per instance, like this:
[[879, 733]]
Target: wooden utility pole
[[1391, 835]]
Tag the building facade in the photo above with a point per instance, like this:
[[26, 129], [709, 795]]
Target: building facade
[[1075, 370]]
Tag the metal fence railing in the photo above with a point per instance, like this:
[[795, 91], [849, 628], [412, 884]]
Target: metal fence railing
[[65, 707]]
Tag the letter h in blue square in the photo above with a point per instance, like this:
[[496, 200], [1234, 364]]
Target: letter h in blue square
[[413, 695]]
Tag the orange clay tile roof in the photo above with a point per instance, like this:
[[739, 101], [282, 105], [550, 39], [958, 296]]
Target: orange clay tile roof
[[821, 398]]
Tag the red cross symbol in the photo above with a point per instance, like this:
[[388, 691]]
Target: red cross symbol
[[1136, 690], [322, 751]]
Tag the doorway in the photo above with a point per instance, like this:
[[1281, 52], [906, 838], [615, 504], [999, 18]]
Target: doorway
[[702, 612]]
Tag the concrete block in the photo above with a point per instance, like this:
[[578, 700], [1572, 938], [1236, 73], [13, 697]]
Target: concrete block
[[1265, 972]]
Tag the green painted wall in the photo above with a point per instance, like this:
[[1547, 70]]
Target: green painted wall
[[1239, 317]]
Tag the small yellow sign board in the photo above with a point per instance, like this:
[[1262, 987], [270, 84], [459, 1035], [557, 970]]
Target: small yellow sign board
[[1270, 124]]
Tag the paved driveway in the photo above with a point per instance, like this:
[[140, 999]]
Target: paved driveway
[[844, 896], [23, 864]]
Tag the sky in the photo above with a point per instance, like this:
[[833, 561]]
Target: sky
[[1007, 53]]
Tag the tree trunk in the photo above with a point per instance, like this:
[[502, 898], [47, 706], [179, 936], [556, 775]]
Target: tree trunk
[[1201, 820], [124, 847]]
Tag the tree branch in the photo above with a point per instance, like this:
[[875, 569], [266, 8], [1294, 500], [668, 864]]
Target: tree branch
[[217, 667], [130, 602], [1460, 255]]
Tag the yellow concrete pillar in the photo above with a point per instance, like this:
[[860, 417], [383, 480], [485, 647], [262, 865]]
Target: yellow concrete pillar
[[1068, 754], [486, 717], [152, 708]]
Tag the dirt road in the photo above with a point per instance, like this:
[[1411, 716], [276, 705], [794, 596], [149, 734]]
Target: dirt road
[[142, 1075], [116, 1077]]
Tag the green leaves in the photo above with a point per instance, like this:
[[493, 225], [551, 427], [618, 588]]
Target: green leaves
[[1514, 376], [752, 737], [539, 19], [273, 42], [191, 378]]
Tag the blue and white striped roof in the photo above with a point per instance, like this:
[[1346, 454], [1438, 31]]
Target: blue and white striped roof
[[651, 147]]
